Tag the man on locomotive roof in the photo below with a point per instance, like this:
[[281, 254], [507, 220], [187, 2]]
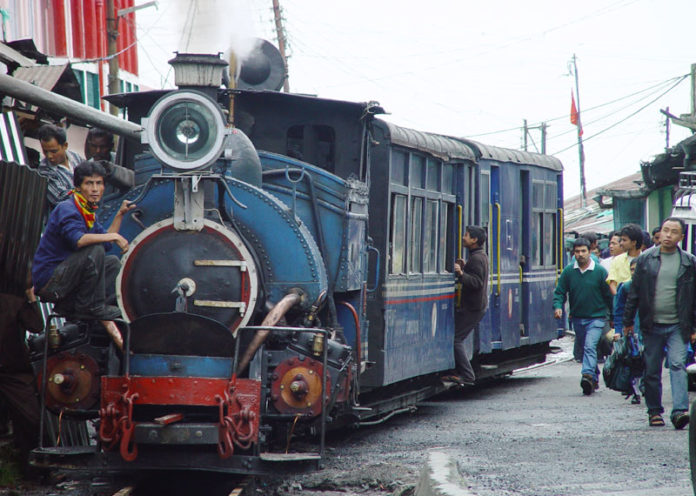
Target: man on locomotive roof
[[58, 164], [662, 292], [590, 301], [70, 267], [473, 277]]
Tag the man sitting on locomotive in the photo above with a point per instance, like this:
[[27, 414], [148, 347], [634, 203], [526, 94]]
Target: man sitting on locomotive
[[70, 266]]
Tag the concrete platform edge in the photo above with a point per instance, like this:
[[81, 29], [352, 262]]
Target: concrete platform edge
[[440, 477]]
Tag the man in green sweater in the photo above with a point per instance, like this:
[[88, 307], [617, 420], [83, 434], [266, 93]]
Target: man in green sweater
[[590, 301]]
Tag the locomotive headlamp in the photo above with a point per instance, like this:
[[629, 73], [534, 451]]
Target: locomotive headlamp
[[185, 130]]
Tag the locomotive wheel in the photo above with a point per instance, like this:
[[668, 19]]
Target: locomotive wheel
[[297, 386], [73, 381]]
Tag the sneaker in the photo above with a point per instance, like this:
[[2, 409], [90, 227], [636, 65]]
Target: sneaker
[[587, 383], [680, 420], [456, 379]]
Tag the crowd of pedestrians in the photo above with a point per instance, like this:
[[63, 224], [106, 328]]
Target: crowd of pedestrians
[[643, 289]]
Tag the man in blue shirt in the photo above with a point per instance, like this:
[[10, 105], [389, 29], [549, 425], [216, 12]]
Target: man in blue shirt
[[70, 266]]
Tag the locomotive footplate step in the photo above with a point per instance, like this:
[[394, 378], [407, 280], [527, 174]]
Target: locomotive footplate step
[[65, 451]]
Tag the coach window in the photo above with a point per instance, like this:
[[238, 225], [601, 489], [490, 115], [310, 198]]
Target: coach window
[[550, 234], [544, 218], [433, 175], [312, 143], [398, 235], [416, 234], [448, 179], [417, 171], [399, 167], [430, 241], [444, 244]]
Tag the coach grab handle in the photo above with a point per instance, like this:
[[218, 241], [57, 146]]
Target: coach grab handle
[[374, 288]]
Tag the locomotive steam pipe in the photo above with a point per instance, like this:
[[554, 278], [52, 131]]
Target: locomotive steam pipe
[[286, 303], [59, 104]]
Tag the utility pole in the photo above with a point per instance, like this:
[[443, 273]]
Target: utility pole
[[666, 112], [686, 120], [111, 49], [280, 33], [525, 136], [543, 138], [525, 130], [581, 150]]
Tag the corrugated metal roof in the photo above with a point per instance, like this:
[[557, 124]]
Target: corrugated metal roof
[[441, 146], [9, 54], [59, 79], [43, 76], [22, 197]]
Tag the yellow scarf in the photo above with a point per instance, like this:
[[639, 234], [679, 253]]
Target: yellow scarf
[[85, 208]]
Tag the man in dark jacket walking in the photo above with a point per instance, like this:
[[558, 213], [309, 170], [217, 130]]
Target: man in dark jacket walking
[[473, 277], [663, 294], [590, 301]]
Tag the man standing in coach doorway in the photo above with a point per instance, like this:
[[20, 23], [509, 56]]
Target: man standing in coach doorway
[[590, 302], [473, 277], [663, 294]]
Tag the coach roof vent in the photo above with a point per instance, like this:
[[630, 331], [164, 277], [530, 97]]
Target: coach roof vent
[[198, 71]]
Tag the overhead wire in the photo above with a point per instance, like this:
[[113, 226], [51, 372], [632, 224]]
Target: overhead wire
[[659, 85], [627, 117]]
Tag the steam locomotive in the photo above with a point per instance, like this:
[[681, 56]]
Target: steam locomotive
[[290, 270]]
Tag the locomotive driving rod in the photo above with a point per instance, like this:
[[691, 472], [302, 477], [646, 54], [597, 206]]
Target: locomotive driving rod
[[286, 303], [53, 102]]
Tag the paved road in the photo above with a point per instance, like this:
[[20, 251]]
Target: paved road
[[532, 434]]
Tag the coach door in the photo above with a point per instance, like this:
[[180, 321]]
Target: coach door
[[524, 262]]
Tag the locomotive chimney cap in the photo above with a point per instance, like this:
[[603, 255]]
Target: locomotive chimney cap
[[198, 69]]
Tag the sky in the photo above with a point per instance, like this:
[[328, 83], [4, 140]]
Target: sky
[[469, 68]]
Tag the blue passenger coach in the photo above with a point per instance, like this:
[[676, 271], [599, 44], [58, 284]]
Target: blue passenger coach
[[425, 190]]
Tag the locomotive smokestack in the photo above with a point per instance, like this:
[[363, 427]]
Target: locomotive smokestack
[[202, 72]]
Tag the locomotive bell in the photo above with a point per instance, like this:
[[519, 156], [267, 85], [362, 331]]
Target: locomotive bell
[[185, 130]]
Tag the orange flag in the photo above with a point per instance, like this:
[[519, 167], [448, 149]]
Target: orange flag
[[574, 114]]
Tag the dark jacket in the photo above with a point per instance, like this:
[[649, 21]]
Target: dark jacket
[[16, 316], [641, 297], [474, 281]]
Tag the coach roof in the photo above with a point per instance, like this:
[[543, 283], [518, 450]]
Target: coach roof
[[445, 147], [514, 156]]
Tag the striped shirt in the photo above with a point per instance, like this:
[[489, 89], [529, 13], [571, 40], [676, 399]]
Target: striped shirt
[[60, 179]]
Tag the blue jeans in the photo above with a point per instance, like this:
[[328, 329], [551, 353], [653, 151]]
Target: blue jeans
[[592, 330], [655, 341]]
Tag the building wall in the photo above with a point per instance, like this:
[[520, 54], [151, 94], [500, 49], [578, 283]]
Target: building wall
[[659, 206], [75, 31]]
